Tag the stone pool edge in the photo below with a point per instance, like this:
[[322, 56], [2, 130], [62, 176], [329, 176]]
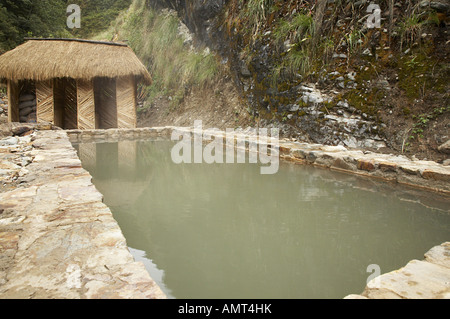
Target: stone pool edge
[[58, 240], [427, 175], [46, 220], [427, 279], [419, 279]]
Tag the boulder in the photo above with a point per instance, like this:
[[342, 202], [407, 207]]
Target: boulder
[[20, 130]]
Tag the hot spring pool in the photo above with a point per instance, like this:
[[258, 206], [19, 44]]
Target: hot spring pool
[[226, 231]]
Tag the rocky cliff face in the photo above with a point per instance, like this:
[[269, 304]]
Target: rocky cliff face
[[203, 18], [344, 84]]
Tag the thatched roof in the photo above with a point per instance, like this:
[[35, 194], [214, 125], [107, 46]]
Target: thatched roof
[[45, 59]]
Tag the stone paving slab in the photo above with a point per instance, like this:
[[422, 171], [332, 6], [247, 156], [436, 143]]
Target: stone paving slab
[[425, 279], [57, 238]]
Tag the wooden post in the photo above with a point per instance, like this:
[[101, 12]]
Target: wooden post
[[70, 105], [13, 102], [86, 105], [45, 102], [126, 102], [58, 100]]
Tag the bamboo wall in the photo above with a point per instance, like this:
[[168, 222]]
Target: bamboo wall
[[126, 102], [86, 105], [45, 101], [82, 104]]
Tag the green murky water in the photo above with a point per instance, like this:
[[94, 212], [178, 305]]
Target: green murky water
[[226, 231]]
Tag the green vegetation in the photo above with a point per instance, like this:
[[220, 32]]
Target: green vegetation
[[298, 32], [155, 38], [420, 73], [353, 40], [47, 18], [256, 13], [285, 43], [282, 43], [30, 18], [300, 55], [97, 15], [410, 29], [298, 29], [422, 121], [289, 28]]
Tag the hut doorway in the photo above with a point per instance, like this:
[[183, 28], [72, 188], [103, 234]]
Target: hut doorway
[[105, 103], [65, 103], [22, 101], [27, 102]]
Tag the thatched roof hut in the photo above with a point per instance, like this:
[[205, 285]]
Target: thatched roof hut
[[73, 83]]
